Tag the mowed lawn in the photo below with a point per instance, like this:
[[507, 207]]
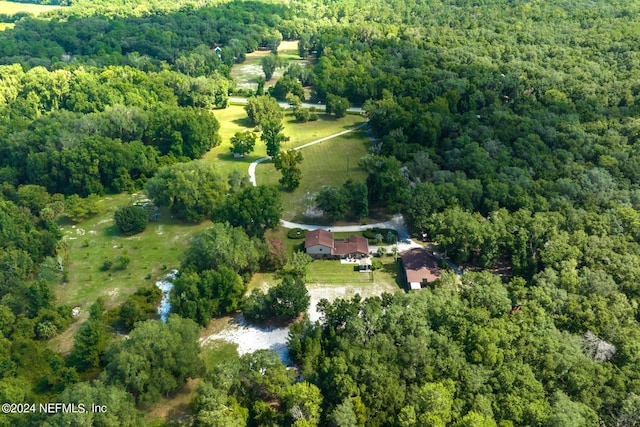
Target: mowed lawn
[[10, 8], [153, 253], [234, 119], [334, 273], [330, 162]]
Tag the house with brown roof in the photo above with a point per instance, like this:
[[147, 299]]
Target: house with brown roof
[[321, 244], [420, 267]]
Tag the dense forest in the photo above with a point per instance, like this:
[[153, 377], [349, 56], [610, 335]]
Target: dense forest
[[507, 132]]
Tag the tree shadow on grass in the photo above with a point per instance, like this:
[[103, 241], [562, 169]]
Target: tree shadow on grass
[[112, 231], [395, 270], [243, 122], [240, 162]]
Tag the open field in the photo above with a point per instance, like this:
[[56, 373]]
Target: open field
[[6, 26], [246, 73], [234, 119], [153, 254], [333, 272], [11, 8], [330, 163]]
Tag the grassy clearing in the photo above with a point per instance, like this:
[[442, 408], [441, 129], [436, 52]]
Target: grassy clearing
[[234, 119], [336, 273], [218, 351], [261, 281], [153, 254], [11, 8], [246, 73], [302, 133], [6, 26], [329, 163], [333, 272]]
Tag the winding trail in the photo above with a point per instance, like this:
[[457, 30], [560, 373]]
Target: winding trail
[[396, 223], [252, 166]]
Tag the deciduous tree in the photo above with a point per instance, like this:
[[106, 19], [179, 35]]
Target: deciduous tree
[[192, 190], [288, 163], [156, 359], [272, 136], [223, 245], [255, 209], [243, 143], [261, 109], [337, 105]]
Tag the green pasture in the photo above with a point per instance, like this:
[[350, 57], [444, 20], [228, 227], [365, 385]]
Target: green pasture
[[157, 250], [153, 253], [10, 8], [6, 26], [331, 162], [234, 119]]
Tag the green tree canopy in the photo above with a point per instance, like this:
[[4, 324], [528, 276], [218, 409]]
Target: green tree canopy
[[272, 136], [337, 105], [156, 359], [255, 209], [121, 410], [288, 163], [223, 245], [200, 296], [243, 143], [270, 63], [192, 190], [182, 132], [261, 109], [333, 202], [131, 219]]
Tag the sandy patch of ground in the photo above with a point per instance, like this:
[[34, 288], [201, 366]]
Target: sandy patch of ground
[[251, 338], [333, 292]]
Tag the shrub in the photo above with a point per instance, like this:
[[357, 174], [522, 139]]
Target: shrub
[[390, 237], [302, 114], [370, 233], [106, 265], [386, 233], [296, 233], [376, 264], [131, 219], [140, 306]]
